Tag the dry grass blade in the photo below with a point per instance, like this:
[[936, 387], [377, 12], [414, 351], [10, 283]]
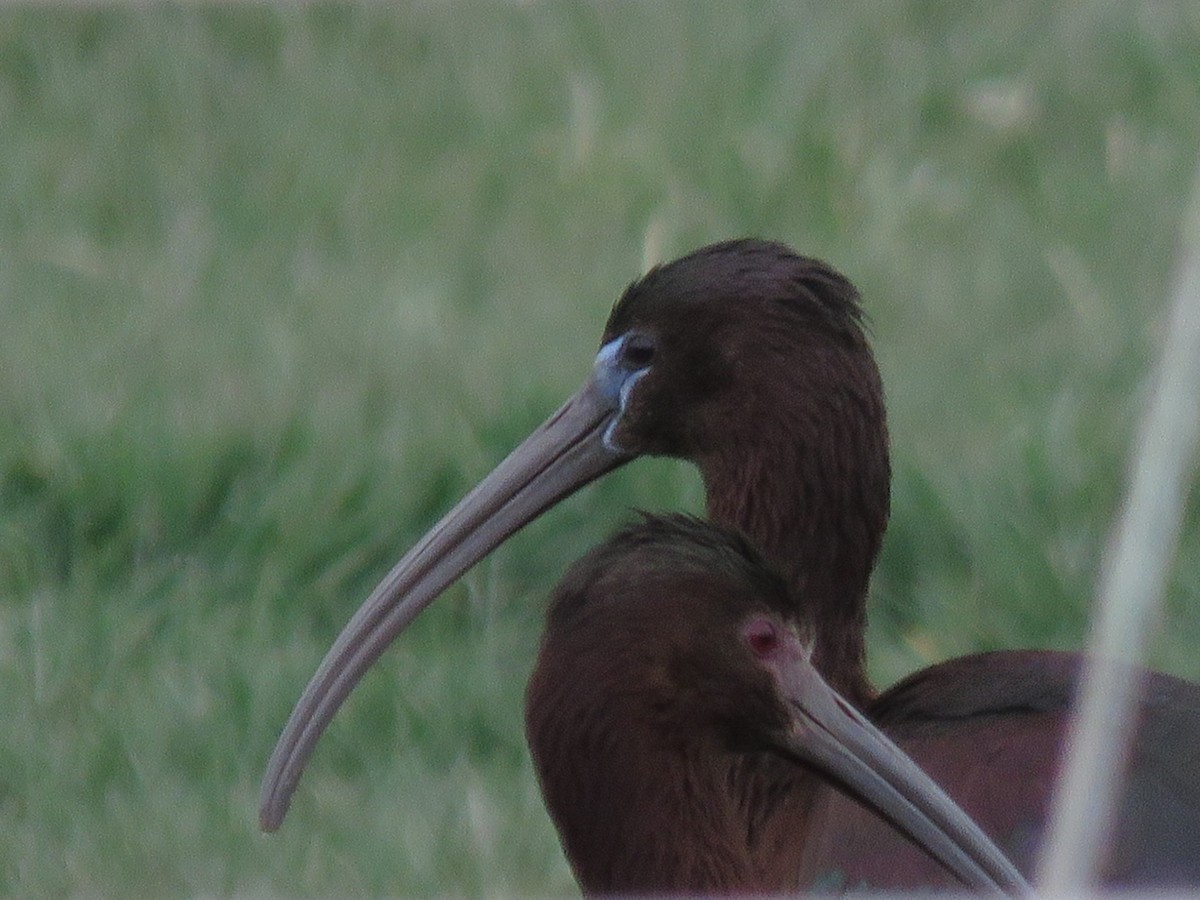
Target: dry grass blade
[[1135, 573]]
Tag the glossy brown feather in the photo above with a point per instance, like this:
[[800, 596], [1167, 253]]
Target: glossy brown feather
[[663, 743]]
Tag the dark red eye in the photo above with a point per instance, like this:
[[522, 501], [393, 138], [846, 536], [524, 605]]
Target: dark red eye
[[638, 350], [762, 637]]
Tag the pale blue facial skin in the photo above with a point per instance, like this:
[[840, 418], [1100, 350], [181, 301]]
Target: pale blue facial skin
[[615, 382]]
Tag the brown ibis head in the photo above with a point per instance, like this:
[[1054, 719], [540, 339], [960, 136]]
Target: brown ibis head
[[676, 723], [751, 362], [744, 358]]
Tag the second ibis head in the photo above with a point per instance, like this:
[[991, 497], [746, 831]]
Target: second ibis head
[[681, 734]]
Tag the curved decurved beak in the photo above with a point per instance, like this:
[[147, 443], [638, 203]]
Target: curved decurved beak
[[832, 735], [566, 452]]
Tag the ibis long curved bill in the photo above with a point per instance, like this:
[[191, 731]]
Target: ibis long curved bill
[[829, 733], [569, 450]]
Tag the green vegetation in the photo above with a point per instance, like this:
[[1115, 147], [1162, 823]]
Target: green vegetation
[[277, 286]]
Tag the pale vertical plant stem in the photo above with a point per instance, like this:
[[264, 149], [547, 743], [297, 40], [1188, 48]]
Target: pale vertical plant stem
[[1134, 574]]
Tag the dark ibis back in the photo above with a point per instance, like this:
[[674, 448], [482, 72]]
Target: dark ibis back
[[990, 728]]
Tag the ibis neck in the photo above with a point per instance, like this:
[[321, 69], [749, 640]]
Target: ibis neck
[[670, 820], [819, 521], [645, 805], [775, 802]]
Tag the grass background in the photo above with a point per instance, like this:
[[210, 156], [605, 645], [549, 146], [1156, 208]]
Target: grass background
[[277, 286]]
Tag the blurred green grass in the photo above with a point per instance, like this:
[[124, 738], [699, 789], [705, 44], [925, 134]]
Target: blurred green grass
[[277, 286]]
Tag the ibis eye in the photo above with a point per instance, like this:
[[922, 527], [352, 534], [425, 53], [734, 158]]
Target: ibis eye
[[762, 637], [637, 351]]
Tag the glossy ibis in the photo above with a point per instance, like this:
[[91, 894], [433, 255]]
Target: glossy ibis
[[751, 362], [675, 721]]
